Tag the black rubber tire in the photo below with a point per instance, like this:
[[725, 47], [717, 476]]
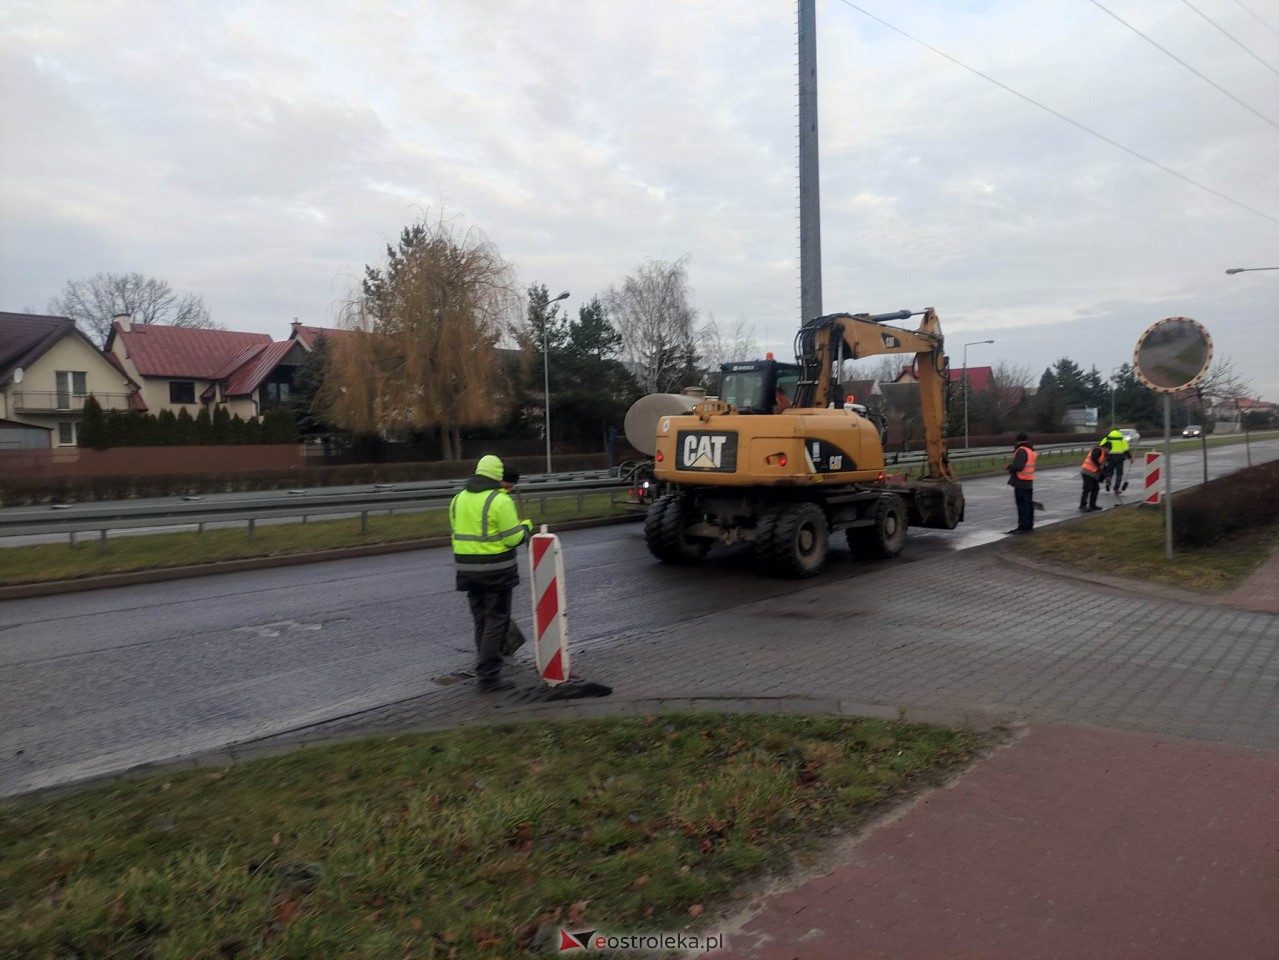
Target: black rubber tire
[[664, 533], [765, 528], [799, 541], [887, 537], [952, 512]]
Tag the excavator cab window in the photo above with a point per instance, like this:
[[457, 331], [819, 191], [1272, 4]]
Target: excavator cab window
[[745, 387], [759, 386]]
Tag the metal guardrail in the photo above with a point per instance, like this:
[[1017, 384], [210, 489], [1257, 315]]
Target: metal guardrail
[[194, 513], [381, 499]]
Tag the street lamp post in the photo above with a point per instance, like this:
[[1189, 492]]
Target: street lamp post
[[1249, 269], [1114, 386], [966, 346], [546, 373]]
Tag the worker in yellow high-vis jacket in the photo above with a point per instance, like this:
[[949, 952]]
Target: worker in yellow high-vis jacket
[[487, 530]]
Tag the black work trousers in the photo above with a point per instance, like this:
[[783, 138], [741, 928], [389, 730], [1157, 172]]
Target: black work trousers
[[1025, 497], [1092, 487], [491, 611]]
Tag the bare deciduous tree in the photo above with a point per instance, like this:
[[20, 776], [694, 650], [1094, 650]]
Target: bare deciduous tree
[[717, 346], [1009, 376], [652, 313], [1222, 386], [94, 302], [421, 354]]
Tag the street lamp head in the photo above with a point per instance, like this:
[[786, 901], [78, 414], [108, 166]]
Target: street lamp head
[[1235, 270], [562, 296], [1249, 269]]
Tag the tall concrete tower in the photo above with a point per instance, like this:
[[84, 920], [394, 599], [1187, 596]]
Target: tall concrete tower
[[810, 207]]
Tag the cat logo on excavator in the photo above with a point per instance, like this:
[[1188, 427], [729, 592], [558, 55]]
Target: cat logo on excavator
[[707, 451]]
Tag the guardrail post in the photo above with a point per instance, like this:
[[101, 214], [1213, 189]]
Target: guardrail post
[[253, 528], [102, 538], [581, 502], [364, 521], [72, 536]]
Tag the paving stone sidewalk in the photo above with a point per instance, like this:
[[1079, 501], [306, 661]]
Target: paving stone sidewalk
[[969, 636]]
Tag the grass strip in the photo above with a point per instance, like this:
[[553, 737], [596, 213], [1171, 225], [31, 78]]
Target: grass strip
[[1130, 543], [481, 841], [44, 562]]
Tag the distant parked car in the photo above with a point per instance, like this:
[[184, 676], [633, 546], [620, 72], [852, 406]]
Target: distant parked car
[[1194, 430], [1131, 436]]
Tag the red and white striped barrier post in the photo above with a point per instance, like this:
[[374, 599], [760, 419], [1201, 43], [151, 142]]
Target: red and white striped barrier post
[[550, 608], [1154, 470]]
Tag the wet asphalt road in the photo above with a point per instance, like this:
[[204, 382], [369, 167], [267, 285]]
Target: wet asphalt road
[[101, 681]]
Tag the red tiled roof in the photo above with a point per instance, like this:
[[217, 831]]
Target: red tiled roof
[[162, 351], [308, 335], [978, 377], [239, 360], [250, 376]]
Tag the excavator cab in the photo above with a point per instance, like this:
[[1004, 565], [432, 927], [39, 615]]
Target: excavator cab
[[759, 386]]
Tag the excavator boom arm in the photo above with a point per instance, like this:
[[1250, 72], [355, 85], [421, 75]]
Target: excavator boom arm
[[825, 342]]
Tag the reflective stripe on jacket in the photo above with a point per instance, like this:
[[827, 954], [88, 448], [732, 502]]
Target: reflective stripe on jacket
[[486, 529], [1028, 471]]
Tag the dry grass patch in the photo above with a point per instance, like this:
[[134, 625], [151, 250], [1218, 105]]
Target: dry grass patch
[[481, 841], [1130, 542]]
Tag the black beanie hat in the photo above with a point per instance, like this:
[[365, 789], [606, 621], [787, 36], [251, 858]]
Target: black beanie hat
[[510, 475]]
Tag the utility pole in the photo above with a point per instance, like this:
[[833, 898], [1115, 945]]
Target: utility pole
[[810, 208]]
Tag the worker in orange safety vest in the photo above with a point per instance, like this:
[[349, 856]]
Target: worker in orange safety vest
[[1021, 477], [1092, 470]]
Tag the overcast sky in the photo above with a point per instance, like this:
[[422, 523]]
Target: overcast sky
[[261, 153]]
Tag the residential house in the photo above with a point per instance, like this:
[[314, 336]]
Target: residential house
[[189, 368], [307, 336], [48, 369], [1227, 414]]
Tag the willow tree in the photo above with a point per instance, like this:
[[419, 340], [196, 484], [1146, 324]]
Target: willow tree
[[420, 355]]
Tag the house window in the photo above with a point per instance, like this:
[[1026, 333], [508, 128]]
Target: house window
[[181, 391], [276, 393], [71, 384], [68, 433]]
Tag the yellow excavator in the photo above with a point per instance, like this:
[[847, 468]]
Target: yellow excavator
[[781, 460]]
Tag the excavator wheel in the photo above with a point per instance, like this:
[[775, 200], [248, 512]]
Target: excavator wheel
[[664, 534], [952, 512], [764, 529], [888, 536], [796, 546]]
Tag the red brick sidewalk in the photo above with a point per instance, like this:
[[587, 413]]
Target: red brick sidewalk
[[1073, 842]]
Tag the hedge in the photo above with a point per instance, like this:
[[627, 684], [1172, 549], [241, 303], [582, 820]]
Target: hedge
[[1247, 499]]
